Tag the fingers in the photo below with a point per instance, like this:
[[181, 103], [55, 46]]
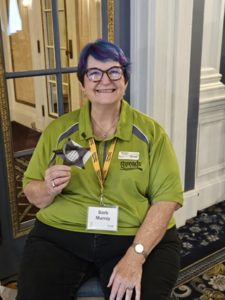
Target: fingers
[[138, 292], [57, 169], [124, 291], [125, 274], [128, 291], [115, 292], [60, 167], [56, 178], [57, 181], [119, 287], [119, 290], [111, 279], [128, 294], [57, 189]]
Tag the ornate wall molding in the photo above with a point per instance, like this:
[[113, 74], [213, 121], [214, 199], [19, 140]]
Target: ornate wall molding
[[211, 87], [210, 163], [207, 163], [111, 21], [212, 34], [160, 56]]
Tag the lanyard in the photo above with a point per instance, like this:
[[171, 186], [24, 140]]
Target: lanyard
[[101, 175]]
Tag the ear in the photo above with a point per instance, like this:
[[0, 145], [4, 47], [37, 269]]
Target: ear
[[82, 87]]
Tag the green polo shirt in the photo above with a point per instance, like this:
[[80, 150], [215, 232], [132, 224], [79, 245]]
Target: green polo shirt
[[132, 185]]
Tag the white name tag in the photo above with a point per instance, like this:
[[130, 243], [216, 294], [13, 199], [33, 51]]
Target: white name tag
[[102, 218], [128, 155]]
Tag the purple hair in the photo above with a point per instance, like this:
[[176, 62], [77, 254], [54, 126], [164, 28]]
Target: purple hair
[[102, 50]]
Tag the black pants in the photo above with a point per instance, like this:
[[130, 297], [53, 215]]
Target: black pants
[[55, 263]]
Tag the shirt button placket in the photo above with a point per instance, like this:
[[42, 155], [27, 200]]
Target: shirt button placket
[[101, 148]]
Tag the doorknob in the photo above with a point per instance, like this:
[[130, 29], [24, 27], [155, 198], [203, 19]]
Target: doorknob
[[70, 50]]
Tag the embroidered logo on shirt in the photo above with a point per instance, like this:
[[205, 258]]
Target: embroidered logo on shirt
[[130, 165]]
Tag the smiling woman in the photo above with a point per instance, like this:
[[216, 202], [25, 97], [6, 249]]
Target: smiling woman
[[104, 93], [132, 176], [103, 73]]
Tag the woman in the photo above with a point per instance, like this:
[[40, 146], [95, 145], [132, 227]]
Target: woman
[[113, 215]]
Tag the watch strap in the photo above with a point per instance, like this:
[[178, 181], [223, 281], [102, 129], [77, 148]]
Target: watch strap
[[143, 252]]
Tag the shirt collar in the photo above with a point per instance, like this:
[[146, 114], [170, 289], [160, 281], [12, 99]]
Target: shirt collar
[[124, 127]]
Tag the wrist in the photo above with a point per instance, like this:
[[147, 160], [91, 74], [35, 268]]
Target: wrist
[[136, 256], [139, 248]]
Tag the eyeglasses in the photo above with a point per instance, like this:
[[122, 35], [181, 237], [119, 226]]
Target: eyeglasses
[[95, 75]]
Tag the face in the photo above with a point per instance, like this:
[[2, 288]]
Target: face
[[105, 91]]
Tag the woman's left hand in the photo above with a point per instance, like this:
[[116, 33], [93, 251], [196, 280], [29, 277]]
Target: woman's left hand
[[127, 273]]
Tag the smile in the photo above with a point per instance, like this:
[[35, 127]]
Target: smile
[[105, 91]]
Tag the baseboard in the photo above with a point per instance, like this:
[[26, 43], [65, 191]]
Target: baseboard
[[211, 193], [189, 209], [199, 198], [25, 118]]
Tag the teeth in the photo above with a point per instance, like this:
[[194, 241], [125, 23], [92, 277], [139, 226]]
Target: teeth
[[105, 91]]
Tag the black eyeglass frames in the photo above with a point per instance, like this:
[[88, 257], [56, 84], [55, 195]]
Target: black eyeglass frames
[[113, 73]]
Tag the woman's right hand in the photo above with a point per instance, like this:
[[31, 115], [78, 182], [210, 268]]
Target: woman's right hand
[[56, 178], [42, 193]]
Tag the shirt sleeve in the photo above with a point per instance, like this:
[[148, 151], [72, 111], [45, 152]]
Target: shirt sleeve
[[39, 161], [165, 183]]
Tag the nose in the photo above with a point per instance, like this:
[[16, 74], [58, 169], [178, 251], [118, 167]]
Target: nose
[[105, 79]]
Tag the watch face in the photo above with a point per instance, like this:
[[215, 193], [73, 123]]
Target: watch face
[[139, 248]]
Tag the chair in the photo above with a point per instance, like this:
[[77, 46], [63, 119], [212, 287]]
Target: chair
[[91, 288]]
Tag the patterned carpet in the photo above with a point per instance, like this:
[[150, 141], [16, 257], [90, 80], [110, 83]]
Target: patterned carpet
[[203, 231], [202, 275]]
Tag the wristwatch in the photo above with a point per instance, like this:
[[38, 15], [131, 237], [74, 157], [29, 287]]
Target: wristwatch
[[140, 249]]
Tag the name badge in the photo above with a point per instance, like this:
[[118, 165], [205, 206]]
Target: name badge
[[102, 218], [128, 155]]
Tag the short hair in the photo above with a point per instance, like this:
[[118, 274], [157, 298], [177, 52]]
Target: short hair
[[102, 50]]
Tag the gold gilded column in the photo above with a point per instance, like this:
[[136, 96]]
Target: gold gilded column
[[111, 21], [5, 127]]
